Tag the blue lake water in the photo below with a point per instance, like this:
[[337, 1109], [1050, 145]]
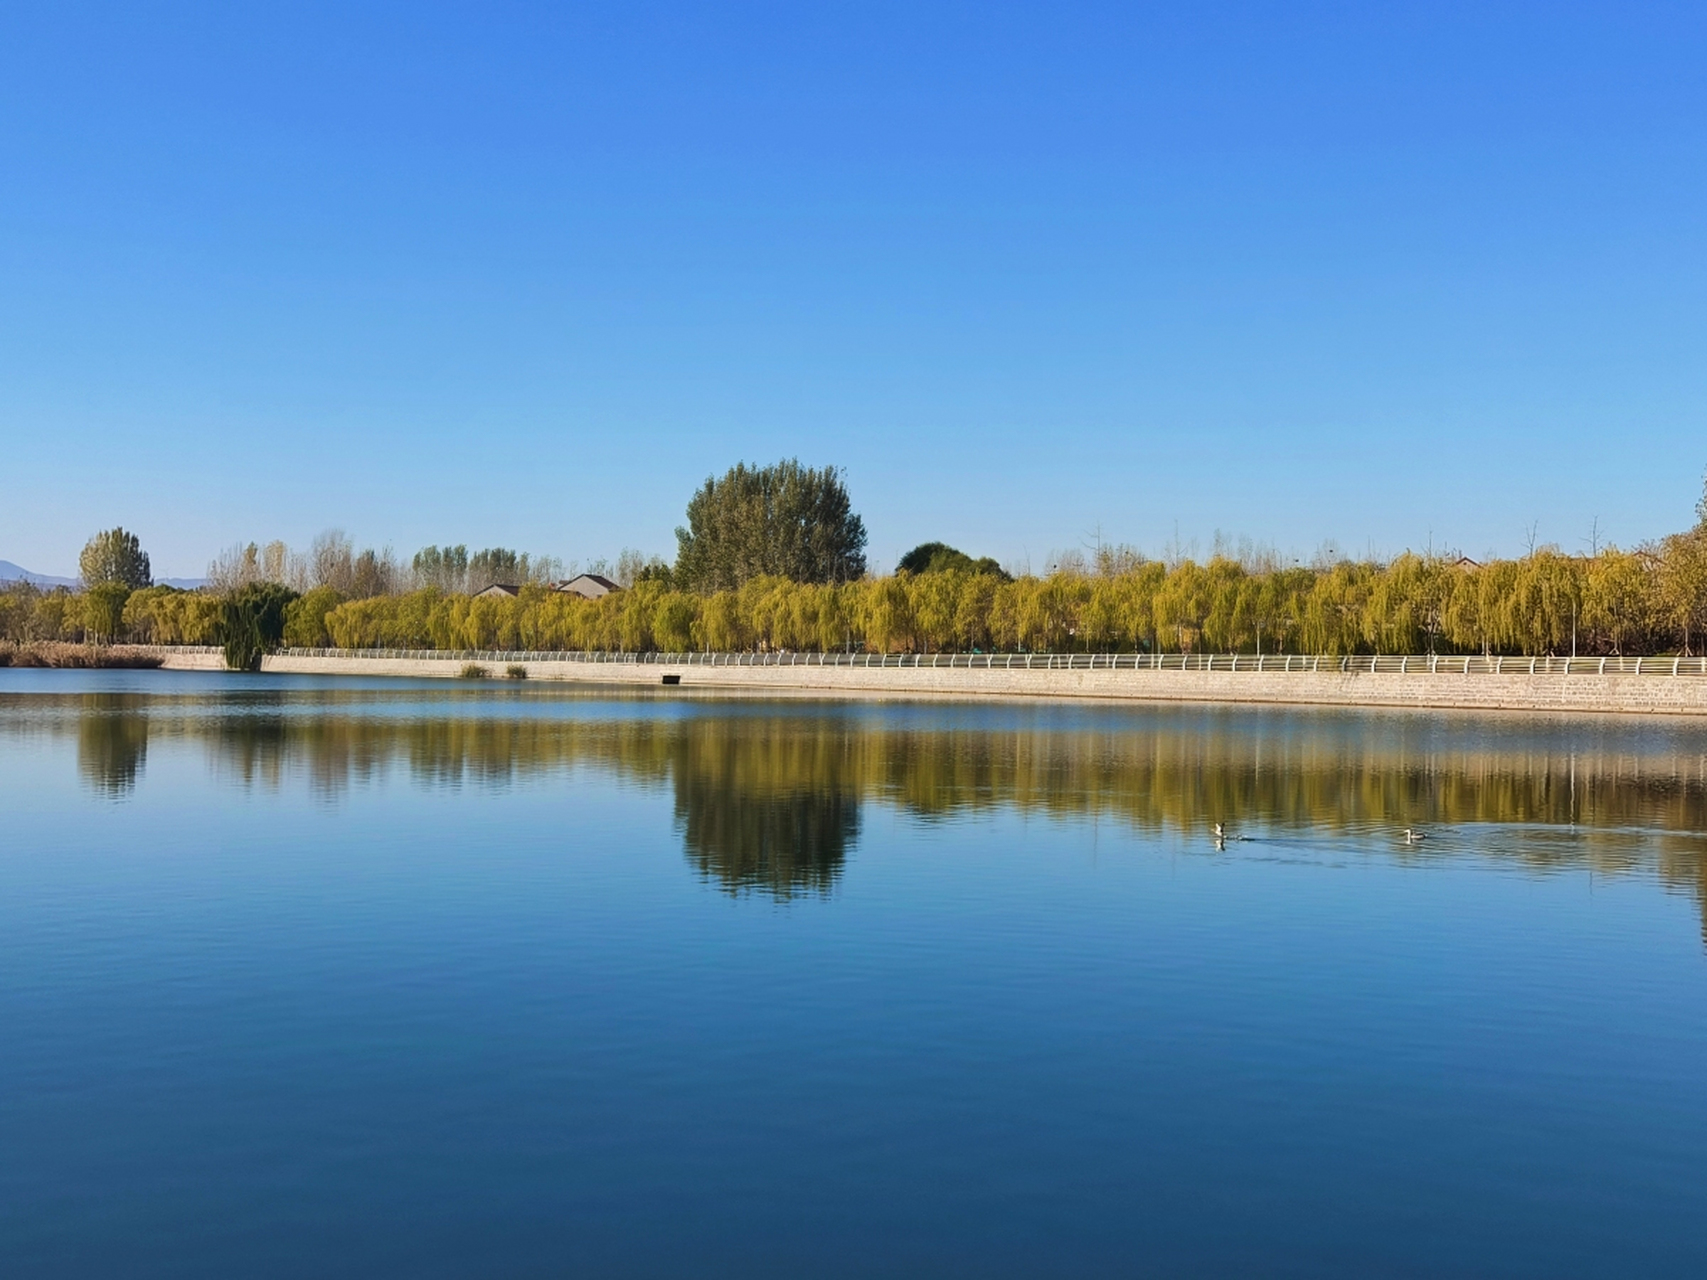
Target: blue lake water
[[306, 977]]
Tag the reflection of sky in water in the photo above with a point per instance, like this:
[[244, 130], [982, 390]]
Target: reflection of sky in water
[[303, 977]]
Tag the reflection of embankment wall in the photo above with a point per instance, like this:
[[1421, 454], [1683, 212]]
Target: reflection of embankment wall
[[1579, 691]]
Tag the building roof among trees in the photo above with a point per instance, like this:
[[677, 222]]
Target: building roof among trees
[[591, 585]]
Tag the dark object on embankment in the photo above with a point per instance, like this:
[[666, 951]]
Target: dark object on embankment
[[672, 679], [54, 653]]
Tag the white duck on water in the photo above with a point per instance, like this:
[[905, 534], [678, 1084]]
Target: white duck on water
[[1414, 837]]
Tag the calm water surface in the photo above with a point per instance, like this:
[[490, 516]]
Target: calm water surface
[[313, 978]]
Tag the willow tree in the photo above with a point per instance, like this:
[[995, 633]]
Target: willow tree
[[103, 612], [673, 622], [935, 597], [253, 622], [1407, 606], [305, 618], [721, 626], [784, 520], [1683, 584], [1618, 599]]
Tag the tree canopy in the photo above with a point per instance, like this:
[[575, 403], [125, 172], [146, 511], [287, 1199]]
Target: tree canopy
[[939, 557], [784, 520], [115, 557]]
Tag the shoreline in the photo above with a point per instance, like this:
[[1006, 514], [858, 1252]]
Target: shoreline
[[1578, 692]]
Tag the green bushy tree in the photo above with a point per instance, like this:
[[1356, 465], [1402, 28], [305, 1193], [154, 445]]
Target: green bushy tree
[[785, 520], [939, 557]]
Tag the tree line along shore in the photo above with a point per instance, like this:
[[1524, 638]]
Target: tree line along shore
[[773, 559]]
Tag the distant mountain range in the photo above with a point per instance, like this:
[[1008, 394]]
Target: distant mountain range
[[10, 572]]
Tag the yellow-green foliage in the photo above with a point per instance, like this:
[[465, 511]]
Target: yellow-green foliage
[[165, 615], [1615, 601], [28, 614], [1648, 601], [103, 611], [305, 618], [153, 615]]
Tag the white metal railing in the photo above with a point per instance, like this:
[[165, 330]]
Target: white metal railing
[[1281, 663]]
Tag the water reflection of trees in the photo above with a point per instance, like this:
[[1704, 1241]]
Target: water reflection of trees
[[112, 744], [770, 800], [776, 811]]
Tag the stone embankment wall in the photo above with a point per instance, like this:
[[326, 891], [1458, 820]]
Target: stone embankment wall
[[1577, 692]]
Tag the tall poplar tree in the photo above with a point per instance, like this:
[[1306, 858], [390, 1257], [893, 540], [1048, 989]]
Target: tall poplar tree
[[115, 557]]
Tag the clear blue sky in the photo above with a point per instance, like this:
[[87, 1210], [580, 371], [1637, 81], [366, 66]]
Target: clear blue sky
[[525, 276]]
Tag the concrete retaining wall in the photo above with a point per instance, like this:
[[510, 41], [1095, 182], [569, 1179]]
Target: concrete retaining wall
[[1643, 694]]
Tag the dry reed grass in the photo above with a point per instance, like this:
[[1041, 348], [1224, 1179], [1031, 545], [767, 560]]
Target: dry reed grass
[[56, 653]]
